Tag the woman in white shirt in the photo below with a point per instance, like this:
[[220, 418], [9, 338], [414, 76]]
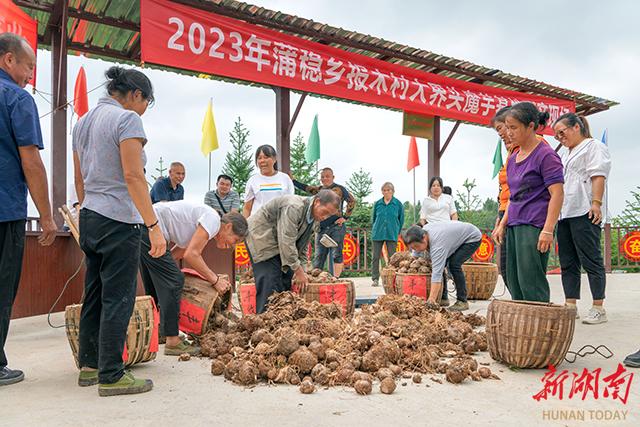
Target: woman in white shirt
[[437, 206], [586, 163], [266, 185]]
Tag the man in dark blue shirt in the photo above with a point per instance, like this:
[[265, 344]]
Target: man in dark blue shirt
[[22, 169], [169, 189]]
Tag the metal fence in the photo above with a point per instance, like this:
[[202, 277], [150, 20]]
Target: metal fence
[[613, 254], [614, 258]]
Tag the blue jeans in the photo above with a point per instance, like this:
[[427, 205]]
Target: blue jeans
[[336, 232]]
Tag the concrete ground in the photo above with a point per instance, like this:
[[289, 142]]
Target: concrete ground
[[186, 393]]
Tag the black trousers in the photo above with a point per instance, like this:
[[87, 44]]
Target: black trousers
[[163, 276], [454, 264], [270, 279], [112, 250], [11, 252], [503, 256], [377, 251], [579, 246]]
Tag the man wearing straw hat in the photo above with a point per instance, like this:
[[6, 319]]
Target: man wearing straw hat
[[449, 244], [190, 226], [278, 236]]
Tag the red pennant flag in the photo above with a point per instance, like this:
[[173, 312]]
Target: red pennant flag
[[414, 159], [80, 99]]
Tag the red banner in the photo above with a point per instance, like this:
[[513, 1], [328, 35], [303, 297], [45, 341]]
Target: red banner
[[15, 20], [183, 37]]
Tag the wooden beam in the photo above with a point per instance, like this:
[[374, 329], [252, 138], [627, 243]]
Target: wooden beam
[[453, 132], [56, 20], [296, 112], [58, 37], [433, 150], [283, 144]]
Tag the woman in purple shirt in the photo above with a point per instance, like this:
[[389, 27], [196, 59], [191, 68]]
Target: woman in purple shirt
[[534, 175]]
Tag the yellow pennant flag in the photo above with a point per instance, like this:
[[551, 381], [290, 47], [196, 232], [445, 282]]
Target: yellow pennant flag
[[209, 133]]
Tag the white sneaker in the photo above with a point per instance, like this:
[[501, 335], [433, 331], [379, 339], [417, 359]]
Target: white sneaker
[[595, 316], [574, 306]]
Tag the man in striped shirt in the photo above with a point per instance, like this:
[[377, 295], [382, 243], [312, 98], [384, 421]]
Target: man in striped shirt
[[223, 199]]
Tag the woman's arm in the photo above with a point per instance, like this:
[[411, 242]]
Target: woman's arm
[[246, 208], [133, 171], [597, 189], [553, 212]]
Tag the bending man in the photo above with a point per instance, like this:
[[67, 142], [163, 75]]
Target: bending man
[[449, 244], [278, 236], [190, 226]]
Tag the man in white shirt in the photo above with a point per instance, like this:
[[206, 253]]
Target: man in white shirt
[[190, 226]]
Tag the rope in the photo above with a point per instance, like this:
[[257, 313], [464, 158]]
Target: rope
[[607, 354], [62, 292], [66, 104]]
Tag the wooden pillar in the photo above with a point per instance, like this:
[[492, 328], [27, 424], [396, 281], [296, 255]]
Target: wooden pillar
[[59, 116], [283, 144], [433, 153], [607, 248]]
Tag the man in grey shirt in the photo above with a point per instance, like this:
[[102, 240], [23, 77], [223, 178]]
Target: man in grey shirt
[[449, 244], [223, 199]]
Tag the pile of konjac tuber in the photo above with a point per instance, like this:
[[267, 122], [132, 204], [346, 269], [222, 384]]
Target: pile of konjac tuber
[[311, 345]]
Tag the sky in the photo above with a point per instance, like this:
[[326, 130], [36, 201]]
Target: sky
[[587, 46]]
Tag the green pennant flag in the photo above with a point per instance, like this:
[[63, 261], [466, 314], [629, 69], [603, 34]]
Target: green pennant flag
[[312, 153], [497, 159]]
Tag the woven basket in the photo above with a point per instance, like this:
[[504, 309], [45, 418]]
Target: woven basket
[[142, 333], [418, 285], [388, 277], [247, 297], [342, 292], [529, 334], [481, 278], [199, 300]]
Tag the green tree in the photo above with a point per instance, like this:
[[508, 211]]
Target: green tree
[[471, 209], [359, 184], [631, 213], [160, 169], [409, 211], [302, 170], [238, 163]]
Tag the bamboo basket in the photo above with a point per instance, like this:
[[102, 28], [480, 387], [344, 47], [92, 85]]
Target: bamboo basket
[[199, 300], [481, 278], [142, 333], [342, 292], [388, 277], [418, 285], [528, 334]]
